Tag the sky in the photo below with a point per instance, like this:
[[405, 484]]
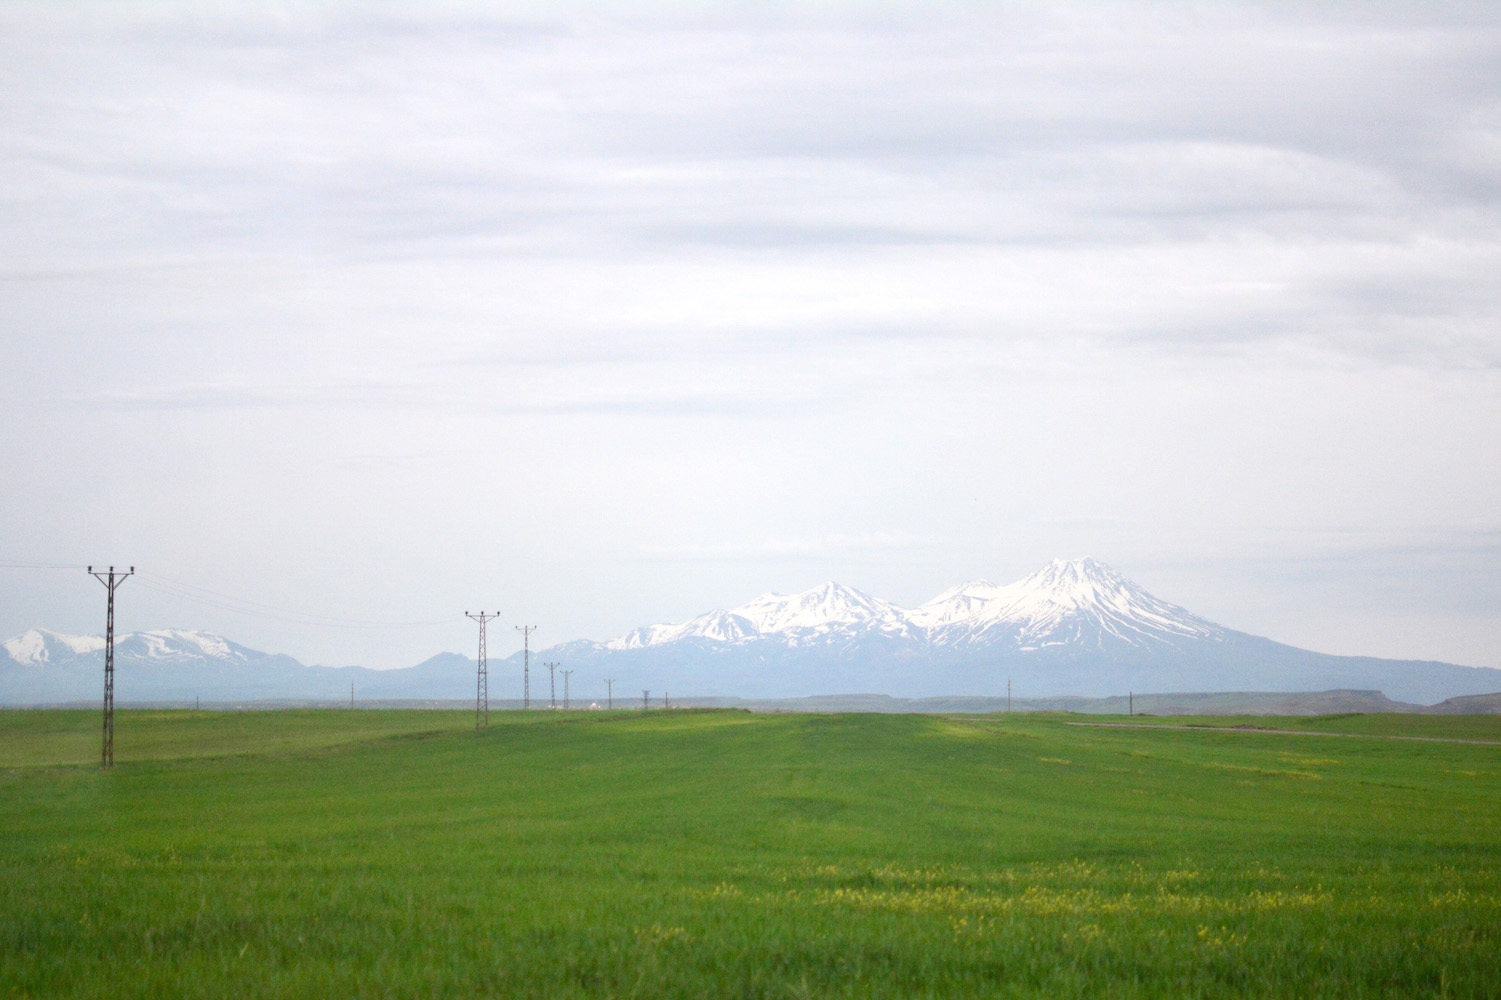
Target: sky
[[340, 320]]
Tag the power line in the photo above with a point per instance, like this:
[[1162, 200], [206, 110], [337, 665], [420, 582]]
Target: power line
[[238, 605], [482, 683], [111, 582], [256, 609]]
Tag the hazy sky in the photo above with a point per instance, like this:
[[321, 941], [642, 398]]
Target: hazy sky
[[375, 314]]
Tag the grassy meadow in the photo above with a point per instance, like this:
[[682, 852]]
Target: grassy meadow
[[721, 854]]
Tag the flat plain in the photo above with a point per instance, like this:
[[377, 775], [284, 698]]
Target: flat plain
[[723, 854]]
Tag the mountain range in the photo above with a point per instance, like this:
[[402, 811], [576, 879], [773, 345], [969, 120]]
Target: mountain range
[[1072, 628]]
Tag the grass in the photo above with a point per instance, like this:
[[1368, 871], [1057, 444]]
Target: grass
[[717, 854], [1453, 727]]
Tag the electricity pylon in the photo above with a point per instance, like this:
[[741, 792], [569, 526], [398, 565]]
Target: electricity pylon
[[111, 580], [566, 674], [482, 684], [552, 684], [526, 664]]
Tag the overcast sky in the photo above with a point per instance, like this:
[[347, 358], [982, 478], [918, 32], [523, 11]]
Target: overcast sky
[[368, 315]]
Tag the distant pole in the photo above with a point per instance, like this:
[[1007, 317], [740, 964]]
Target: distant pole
[[197, 703], [610, 693], [552, 684], [110, 581], [566, 674], [526, 664], [482, 682], [351, 696], [1130, 702], [665, 702], [645, 702], [1008, 696]]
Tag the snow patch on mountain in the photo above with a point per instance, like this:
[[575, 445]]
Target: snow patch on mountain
[[38, 647], [823, 609], [165, 644], [1069, 601], [823, 606], [1065, 602], [957, 604], [715, 626]]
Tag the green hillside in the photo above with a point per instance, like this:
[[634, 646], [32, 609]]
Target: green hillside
[[723, 854]]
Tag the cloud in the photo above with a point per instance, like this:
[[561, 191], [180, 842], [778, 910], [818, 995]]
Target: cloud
[[739, 272], [780, 549]]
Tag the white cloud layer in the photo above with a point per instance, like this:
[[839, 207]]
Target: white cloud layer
[[395, 310]]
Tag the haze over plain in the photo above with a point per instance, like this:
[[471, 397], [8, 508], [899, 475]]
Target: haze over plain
[[614, 316]]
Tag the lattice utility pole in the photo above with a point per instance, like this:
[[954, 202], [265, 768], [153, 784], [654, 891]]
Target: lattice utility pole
[[526, 664], [645, 700], [111, 580], [666, 701], [482, 683], [566, 674], [552, 684], [610, 693]]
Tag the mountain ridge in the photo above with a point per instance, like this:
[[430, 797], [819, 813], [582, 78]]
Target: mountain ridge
[[1072, 628]]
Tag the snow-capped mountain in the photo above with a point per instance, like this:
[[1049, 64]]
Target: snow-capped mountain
[[38, 647], [1072, 628], [813, 616], [40, 665], [1064, 603]]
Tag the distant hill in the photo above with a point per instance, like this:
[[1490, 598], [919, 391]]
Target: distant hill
[[1192, 703], [1476, 704], [175, 665], [1074, 629]]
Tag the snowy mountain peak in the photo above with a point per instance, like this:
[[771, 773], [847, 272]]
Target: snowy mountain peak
[[955, 604], [39, 646], [827, 606], [1069, 601], [1076, 583], [174, 643], [824, 605]]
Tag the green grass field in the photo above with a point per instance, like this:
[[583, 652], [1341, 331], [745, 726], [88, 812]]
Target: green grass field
[[720, 854]]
